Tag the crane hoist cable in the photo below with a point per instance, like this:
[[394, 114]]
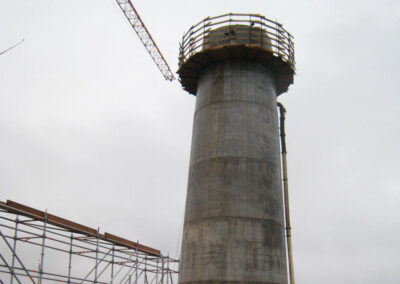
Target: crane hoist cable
[[15, 45], [137, 24]]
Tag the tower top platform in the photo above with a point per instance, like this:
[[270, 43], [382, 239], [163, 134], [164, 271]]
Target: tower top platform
[[237, 36]]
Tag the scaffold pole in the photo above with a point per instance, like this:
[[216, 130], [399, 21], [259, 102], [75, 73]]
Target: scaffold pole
[[63, 242], [14, 249], [43, 246]]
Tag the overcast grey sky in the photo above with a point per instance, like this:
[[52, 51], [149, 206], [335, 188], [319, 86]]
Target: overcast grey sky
[[90, 130]]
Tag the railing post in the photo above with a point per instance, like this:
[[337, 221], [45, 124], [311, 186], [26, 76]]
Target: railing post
[[261, 32], [291, 50], [180, 53], [230, 29], [191, 41], [250, 23], [277, 47], [204, 33]]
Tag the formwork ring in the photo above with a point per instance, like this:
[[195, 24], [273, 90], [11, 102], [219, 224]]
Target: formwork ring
[[237, 36]]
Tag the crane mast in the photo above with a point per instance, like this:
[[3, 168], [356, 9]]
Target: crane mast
[[136, 22]]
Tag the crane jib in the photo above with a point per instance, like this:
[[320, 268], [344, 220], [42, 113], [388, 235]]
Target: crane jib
[[137, 24]]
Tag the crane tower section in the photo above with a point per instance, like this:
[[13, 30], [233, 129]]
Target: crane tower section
[[136, 22]]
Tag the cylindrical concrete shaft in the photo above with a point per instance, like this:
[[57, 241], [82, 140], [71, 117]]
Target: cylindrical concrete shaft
[[234, 228]]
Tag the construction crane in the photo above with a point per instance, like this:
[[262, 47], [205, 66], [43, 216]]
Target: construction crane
[[137, 24]]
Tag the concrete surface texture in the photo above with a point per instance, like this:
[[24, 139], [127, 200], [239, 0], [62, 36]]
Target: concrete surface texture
[[234, 223], [237, 35]]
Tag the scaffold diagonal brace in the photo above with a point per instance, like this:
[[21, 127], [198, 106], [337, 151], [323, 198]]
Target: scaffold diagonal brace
[[96, 265], [16, 256], [9, 268]]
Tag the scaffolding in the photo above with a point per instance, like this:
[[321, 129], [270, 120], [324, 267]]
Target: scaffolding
[[38, 247]]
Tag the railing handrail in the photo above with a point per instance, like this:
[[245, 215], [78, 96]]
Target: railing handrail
[[280, 41]]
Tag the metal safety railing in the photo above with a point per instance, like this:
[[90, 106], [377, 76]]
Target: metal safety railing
[[271, 36]]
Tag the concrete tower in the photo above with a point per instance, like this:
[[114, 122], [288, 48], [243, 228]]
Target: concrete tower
[[236, 65]]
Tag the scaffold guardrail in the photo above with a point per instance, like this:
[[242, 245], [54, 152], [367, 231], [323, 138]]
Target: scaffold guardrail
[[38, 247]]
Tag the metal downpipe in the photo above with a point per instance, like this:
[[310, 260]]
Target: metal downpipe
[[282, 111]]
